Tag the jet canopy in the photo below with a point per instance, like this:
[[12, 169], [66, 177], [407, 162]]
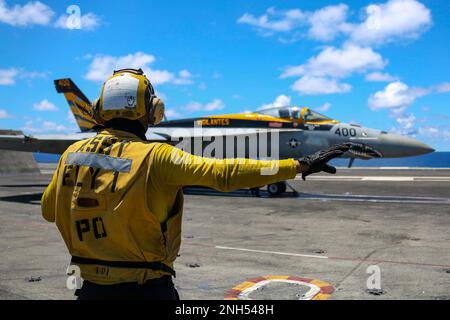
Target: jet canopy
[[294, 113]]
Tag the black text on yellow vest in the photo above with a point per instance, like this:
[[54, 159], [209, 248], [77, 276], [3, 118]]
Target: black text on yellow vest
[[105, 218]]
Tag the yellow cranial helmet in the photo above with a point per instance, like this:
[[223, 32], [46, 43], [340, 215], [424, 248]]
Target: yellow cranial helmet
[[129, 94]]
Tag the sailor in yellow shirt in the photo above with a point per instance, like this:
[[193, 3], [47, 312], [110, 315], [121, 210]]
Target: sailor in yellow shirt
[[117, 199]]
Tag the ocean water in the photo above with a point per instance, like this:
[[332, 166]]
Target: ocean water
[[432, 160]]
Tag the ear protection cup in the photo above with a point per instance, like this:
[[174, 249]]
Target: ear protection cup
[[155, 106], [156, 114]]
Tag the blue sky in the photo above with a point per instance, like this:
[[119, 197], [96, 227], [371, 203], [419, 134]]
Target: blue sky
[[384, 65]]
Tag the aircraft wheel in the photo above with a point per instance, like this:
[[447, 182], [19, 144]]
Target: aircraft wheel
[[283, 186], [276, 188]]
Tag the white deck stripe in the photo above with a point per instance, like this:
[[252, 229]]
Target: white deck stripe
[[387, 179], [47, 171], [371, 198], [273, 252]]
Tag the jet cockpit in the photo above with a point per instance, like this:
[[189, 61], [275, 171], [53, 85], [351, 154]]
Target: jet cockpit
[[296, 114]]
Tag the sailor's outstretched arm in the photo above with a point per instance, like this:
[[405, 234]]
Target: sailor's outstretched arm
[[175, 167]]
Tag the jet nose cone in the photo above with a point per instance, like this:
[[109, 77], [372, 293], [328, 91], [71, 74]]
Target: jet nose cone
[[394, 145], [427, 149]]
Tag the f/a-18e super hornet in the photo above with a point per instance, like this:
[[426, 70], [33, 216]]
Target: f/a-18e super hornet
[[281, 132]]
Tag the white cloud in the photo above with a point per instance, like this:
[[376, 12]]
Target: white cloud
[[396, 96], [193, 106], [274, 20], [184, 74], [214, 105], [53, 126], [406, 124], [70, 117], [202, 86], [380, 77], [311, 85], [38, 13], [323, 108], [321, 74], [386, 22], [159, 76], [443, 88], [102, 67], [392, 20], [327, 22], [45, 105], [41, 126], [280, 101], [323, 24], [184, 77], [439, 133], [88, 21], [7, 76], [4, 114], [31, 13], [338, 63], [172, 113], [410, 125], [33, 75]]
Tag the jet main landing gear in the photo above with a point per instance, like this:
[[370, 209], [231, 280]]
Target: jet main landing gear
[[276, 188]]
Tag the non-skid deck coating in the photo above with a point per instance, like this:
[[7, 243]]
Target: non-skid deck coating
[[337, 228]]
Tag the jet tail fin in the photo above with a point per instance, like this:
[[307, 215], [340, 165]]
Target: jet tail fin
[[79, 104]]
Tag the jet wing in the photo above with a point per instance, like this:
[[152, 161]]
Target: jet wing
[[56, 143], [183, 132], [18, 141], [260, 143], [288, 140]]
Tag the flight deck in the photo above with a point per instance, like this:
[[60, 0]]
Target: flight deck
[[360, 234]]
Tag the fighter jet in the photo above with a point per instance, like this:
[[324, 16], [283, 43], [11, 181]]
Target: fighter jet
[[281, 133]]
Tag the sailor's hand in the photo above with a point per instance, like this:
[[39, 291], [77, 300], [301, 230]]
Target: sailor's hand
[[317, 162]]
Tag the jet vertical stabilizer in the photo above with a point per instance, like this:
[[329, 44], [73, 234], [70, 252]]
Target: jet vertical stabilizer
[[79, 104]]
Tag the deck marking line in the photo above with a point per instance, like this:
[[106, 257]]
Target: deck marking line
[[318, 289], [273, 252], [322, 257], [376, 261]]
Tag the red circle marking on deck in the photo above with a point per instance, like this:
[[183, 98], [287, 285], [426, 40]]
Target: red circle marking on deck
[[325, 289]]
